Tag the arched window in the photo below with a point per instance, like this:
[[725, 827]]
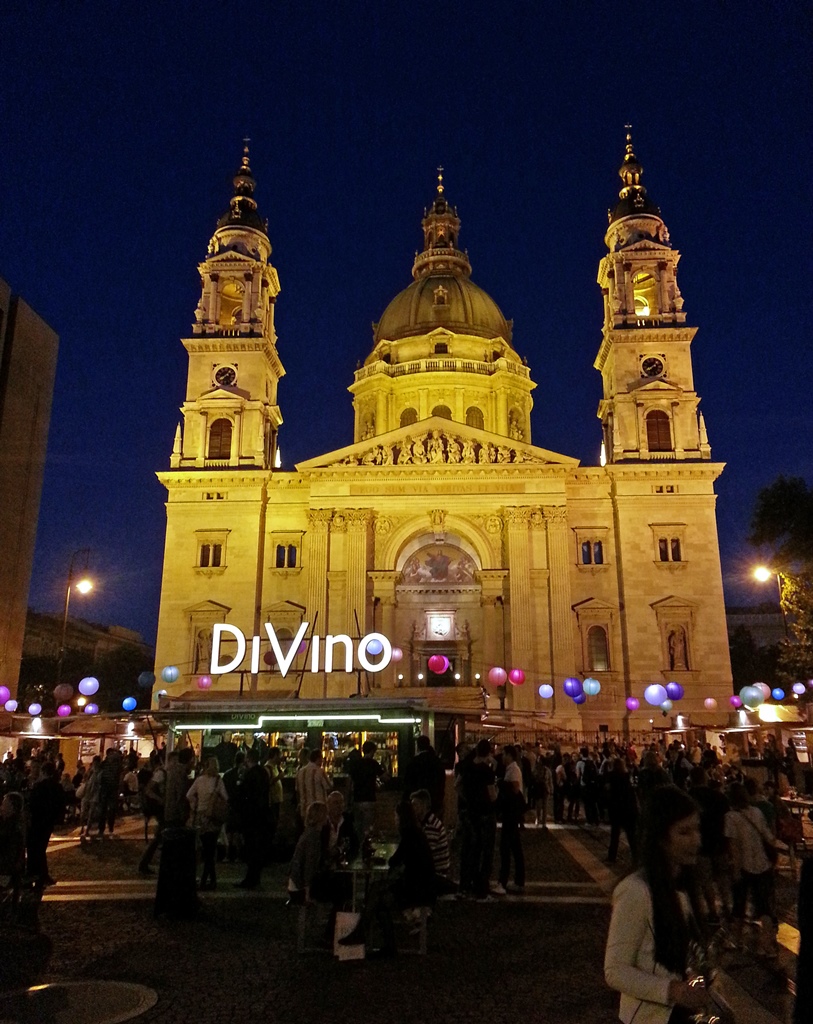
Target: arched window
[[658, 432], [474, 417], [220, 440], [408, 416], [598, 655], [443, 411], [645, 294]]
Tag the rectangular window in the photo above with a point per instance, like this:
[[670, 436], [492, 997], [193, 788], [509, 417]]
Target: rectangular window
[[669, 549]]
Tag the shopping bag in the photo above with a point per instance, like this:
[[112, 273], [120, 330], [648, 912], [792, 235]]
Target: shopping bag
[[345, 923]]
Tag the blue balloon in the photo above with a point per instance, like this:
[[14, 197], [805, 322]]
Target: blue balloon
[[546, 691], [778, 694], [655, 694], [591, 687], [169, 674], [146, 679], [580, 698], [573, 686], [129, 703], [374, 646]]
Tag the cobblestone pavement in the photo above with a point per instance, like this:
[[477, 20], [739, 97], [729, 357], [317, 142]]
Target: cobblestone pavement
[[535, 957]]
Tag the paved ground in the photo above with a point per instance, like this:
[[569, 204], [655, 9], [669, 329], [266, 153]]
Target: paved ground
[[537, 957]]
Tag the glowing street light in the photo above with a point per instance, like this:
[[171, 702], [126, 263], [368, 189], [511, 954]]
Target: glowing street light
[[762, 574], [84, 586]]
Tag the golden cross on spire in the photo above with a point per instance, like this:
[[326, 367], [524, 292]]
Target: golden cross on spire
[[246, 141], [629, 137], [440, 181]]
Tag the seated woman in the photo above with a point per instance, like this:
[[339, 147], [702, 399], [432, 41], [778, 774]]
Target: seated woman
[[410, 884]]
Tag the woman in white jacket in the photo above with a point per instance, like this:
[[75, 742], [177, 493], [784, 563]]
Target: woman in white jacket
[[652, 922], [208, 800]]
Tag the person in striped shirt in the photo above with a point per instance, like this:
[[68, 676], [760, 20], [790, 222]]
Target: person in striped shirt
[[434, 831]]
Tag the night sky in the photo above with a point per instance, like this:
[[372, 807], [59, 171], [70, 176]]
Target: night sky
[[122, 128]]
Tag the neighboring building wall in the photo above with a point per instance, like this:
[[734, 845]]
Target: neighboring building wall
[[28, 354]]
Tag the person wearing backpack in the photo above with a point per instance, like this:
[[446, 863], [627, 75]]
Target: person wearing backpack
[[587, 775], [209, 804]]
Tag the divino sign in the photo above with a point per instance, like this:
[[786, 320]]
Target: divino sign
[[321, 650]]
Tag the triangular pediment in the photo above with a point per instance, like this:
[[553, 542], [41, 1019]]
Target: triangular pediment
[[228, 257], [220, 391], [210, 607], [592, 604], [659, 384], [437, 441], [667, 603]]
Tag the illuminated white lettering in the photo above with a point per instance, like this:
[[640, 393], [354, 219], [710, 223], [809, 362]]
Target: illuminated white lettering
[[285, 660], [330, 643], [386, 653], [219, 629]]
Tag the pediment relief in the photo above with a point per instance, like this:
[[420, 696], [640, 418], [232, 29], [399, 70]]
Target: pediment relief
[[208, 608], [224, 392], [437, 441], [666, 604], [228, 259]]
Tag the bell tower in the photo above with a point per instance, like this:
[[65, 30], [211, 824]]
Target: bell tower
[[649, 411], [230, 415]]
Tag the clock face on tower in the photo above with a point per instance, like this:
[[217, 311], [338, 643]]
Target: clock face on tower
[[226, 375], [652, 367]]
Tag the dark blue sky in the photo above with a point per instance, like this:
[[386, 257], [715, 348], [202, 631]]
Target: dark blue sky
[[121, 131]]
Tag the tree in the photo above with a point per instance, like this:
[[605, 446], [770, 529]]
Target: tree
[[783, 523]]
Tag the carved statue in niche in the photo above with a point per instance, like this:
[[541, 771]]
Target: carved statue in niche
[[503, 453], [468, 452], [676, 641], [486, 453], [435, 447], [369, 429], [418, 451], [405, 454], [452, 450], [203, 650], [515, 431]]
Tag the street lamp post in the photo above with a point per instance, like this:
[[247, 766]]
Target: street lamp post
[[84, 586], [762, 574]]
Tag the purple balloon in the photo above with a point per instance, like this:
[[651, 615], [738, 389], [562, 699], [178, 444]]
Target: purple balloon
[[91, 709], [573, 686], [580, 698], [674, 691], [633, 703], [63, 710], [5, 694]]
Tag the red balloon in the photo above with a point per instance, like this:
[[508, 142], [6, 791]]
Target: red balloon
[[268, 658], [516, 676], [438, 664], [497, 676]]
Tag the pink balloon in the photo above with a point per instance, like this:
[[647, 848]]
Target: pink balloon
[[204, 682], [63, 710], [516, 676], [438, 664], [766, 690], [497, 676], [735, 701], [710, 704], [397, 654], [632, 703], [302, 647]]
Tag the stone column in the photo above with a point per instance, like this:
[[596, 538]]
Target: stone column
[[559, 589], [492, 582], [519, 587], [317, 550], [384, 583], [356, 593]]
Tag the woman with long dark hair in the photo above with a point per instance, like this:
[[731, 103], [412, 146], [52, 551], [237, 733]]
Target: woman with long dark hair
[[653, 922]]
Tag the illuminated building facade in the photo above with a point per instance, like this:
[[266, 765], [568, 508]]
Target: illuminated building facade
[[442, 525]]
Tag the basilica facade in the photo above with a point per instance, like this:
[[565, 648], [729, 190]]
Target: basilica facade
[[442, 525]]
